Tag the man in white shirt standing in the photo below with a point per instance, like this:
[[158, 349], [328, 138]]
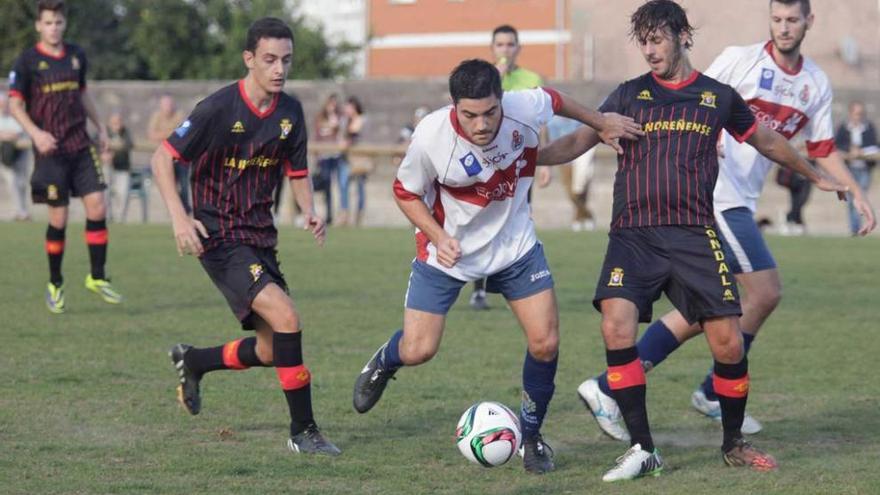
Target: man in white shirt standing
[[790, 94], [464, 183]]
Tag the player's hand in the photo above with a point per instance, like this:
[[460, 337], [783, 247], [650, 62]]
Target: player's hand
[[869, 220], [618, 126], [448, 251], [544, 177], [826, 183], [186, 232], [316, 225], [44, 142]]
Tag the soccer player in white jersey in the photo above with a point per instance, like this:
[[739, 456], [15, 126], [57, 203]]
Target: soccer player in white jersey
[[790, 94], [463, 183]]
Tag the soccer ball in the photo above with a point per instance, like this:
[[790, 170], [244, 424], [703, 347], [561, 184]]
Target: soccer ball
[[488, 434]]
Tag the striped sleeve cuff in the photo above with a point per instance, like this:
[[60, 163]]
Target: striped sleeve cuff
[[820, 149]]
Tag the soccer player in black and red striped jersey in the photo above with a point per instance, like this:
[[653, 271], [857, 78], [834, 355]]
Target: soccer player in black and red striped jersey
[[241, 142], [663, 236], [48, 97]]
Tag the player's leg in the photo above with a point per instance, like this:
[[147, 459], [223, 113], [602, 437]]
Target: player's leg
[[731, 381], [428, 298], [276, 309], [55, 243]]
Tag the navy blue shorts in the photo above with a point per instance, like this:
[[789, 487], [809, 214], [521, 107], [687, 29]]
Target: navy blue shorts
[[240, 272], [744, 246], [433, 291], [685, 262]]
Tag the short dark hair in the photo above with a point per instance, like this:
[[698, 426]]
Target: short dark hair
[[506, 28], [52, 6], [356, 103], [805, 4], [474, 79], [655, 15], [267, 27]]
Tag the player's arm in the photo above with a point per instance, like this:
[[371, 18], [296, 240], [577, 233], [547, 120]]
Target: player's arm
[[304, 197], [834, 165], [564, 150], [43, 141], [775, 147], [186, 229], [609, 127], [415, 209]]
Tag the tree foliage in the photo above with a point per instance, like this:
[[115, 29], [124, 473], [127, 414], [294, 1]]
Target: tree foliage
[[172, 39]]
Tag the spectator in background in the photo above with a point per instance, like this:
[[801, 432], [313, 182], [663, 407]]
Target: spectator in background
[[857, 139], [576, 177], [357, 166], [13, 161], [327, 132], [162, 123], [118, 158]]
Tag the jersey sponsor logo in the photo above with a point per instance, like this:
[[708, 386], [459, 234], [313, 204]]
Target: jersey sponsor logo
[[74, 63], [237, 128], [11, 77], [615, 280], [506, 188], [59, 86], [718, 253], [707, 99], [783, 119], [517, 140], [43, 65], [183, 128], [766, 81], [256, 270], [680, 125], [471, 164], [805, 94], [728, 296], [257, 161], [286, 127], [495, 159], [645, 95], [539, 275]]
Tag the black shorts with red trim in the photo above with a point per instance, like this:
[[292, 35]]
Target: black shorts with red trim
[[57, 178], [686, 262], [241, 271]]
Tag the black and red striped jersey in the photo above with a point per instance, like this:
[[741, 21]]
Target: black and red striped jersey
[[52, 87], [238, 156], [667, 177]]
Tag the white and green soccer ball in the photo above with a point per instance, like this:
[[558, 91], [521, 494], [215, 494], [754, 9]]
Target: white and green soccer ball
[[488, 434]]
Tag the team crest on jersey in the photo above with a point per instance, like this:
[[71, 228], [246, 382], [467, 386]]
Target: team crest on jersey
[[728, 296], [707, 99], [471, 164], [74, 62], [43, 65], [183, 128], [517, 140], [616, 279], [766, 81], [52, 192], [286, 127], [238, 127], [805, 94], [256, 270], [644, 95]]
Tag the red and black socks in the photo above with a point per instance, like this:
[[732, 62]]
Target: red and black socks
[[626, 378], [55, 252], [295, 379]]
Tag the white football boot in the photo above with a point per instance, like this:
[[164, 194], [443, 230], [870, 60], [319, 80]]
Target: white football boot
[[635, 463], [712, 409], [604, 409]]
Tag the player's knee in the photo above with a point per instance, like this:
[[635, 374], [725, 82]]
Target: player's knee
[[616, 332], [416, 353], [728, 349], [545, 348], [97, 211]]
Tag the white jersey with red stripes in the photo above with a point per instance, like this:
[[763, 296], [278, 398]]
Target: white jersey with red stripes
[[797, 104], [479, 194]]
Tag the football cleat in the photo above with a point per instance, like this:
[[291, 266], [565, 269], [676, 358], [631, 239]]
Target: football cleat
[[311, 441], [478, 300], [743, 454], [55, 298], [604, 410], [635, 463], [712, 409], [537, 455], [188, 389], [103, 288], [371, 382]]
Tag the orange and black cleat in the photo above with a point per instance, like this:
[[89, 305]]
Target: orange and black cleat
[[743, 454]]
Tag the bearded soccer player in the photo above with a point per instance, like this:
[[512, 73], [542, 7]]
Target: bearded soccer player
[[789, 93], [463, 183], [241, 141], [663, 235], [48, 97]]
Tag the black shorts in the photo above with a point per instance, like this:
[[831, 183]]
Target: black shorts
[[241, 272], [685, 262], [58, 177]]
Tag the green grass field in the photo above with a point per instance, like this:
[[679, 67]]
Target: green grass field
[[87, 398]]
